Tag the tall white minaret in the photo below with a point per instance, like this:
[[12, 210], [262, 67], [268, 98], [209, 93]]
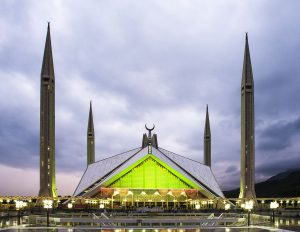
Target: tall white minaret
[[247, 190]]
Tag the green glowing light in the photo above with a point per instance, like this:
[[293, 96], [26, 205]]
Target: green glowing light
[[150, 173]]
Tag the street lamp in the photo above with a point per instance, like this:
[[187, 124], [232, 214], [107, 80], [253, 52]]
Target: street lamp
[[70, 205], [273, 206], [227, 206], [19, 206], [48, 204], [249, 207]]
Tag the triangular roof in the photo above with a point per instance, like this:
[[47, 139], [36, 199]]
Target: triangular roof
[[98, 173]]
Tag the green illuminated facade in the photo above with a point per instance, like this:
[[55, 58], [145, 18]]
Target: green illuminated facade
[[149, 173]]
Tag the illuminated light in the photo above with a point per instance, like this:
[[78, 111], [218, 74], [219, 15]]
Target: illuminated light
[[227, 206], [143, 230], [47, 204], [143, 193], [249, 205], [287, 201], [150, 200], [170, 193], [156, 193], [70, 205], [174, 200], [162, 200], [73, 201], [1, 200], [281, 202], [262, 201], [242, 205], [298, 202], [227, 229], [130, 193], [125, 200], [20, 204], [210, 202], [116, 192], [197, 206], [274, 205], [101, 206]]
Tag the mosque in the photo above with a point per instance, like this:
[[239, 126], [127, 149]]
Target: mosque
[[148, 175]]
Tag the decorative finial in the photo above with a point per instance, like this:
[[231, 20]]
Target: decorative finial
[[149, 130]]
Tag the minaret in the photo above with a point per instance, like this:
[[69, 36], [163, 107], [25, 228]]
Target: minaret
[[207, 141], [90, 139], [247, 129], [47, 123]]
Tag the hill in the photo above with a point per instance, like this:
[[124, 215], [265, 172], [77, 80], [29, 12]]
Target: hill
[[285, 184]]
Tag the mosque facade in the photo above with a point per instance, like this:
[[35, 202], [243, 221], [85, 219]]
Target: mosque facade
[[148, 174]]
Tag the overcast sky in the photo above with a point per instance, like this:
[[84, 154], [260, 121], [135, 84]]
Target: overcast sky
[[150, 62]]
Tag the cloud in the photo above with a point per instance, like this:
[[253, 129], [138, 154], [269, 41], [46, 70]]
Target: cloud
[[278, 136]]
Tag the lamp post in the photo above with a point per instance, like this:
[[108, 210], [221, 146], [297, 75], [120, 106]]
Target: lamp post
[[227, 206], [249, 207], [47, 205], [273, 206], [19, 206]]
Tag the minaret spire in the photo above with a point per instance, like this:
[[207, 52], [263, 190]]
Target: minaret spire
[[247, 190], [90, 138], [207, 140], [47, 66], [47, 123]]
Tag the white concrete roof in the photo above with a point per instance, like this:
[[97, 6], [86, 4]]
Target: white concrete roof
[[196, 169], [98, 170], [101, 171]]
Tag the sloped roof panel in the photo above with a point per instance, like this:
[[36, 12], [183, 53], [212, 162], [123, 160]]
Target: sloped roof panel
[[200, 171], [139, 155], [98, 170]]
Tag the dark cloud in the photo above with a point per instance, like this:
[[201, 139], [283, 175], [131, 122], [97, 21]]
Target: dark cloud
[[231, 169], [277, 136], [274, 166]]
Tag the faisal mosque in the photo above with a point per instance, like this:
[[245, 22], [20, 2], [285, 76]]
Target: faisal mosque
[[148, 175]]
